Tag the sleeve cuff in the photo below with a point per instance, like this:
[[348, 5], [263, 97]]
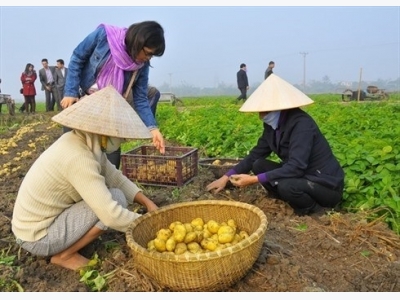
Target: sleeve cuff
[[230, 172], [262, 178]]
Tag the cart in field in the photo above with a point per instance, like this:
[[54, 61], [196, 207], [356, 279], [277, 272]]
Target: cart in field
[[171, 98], [372, 93], [9, 102]]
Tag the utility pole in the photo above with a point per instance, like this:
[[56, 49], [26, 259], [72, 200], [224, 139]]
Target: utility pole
[[304, 70]]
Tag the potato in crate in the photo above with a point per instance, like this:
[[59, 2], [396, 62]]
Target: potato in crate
[[147, 166]]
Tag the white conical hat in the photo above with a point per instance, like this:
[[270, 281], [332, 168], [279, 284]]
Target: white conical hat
[[275, 94], [104, 112]]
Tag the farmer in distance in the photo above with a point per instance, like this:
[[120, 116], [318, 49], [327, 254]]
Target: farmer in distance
[[72, 193], [308, 176]]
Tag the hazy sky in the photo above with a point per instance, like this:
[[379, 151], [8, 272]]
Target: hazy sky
[[206, 44]]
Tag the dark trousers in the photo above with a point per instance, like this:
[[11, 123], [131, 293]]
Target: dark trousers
[[243, 94], [153, 101], [114, 157], [29, 104], [52, 98], [301, 194]]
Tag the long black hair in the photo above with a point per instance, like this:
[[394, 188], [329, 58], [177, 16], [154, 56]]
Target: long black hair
[[148, 34], [28, 65]]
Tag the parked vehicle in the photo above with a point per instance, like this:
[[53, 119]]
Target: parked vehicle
[[373, 93]]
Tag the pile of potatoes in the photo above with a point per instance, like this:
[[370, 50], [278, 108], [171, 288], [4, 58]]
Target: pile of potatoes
[[197, 236]]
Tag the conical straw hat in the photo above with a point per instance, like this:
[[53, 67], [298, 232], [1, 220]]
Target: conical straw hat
[[104, 112], [275, 94]]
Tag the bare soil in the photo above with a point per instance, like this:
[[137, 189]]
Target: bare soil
[[332, 251]]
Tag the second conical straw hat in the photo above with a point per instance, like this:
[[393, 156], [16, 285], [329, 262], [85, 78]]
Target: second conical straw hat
[[104, 112], [275, 94]]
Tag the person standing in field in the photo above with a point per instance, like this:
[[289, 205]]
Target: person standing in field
[[242, 82], [308, 176], [46, 76], [28, 78], [112, 55], [59, 79], [269, 70], [72, 194]]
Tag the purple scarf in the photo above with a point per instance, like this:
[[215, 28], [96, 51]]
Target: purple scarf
[[119, 61]]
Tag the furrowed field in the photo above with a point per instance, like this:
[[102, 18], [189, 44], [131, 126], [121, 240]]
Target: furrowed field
[[354, 249]]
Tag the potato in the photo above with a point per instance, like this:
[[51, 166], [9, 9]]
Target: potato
[[243, 234], [226, 229], [216, 162], [179, 233], [159, 244], [199, 236], [209, 244], [197, 222], [164, 234], [172, 225], [225, 238], [194, 247], [213, 226], [198, 227], [190, 237], [150, 246], [237, 239], [189, 227], [180, 248], [214, 237], [232, 223], [206, 234], [170, 244]]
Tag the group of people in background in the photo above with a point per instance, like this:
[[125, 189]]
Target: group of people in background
[[52, 80], [243, 82]]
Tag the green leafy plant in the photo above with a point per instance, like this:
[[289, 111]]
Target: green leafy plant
[[92, 277]]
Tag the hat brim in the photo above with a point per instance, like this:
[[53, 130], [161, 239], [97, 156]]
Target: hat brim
[[275, 94], [104, 112]]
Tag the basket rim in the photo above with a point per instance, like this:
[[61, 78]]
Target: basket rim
[[208, 161], [192, 149], [193, 257]]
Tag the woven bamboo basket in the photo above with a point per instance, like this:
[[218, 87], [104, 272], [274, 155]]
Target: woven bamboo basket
[[218, 170], [212, 271]]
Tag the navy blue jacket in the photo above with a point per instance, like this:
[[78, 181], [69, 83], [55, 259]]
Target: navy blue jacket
[[301, 146]]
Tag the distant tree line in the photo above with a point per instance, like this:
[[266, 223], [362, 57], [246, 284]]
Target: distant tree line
[[325, 86]]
